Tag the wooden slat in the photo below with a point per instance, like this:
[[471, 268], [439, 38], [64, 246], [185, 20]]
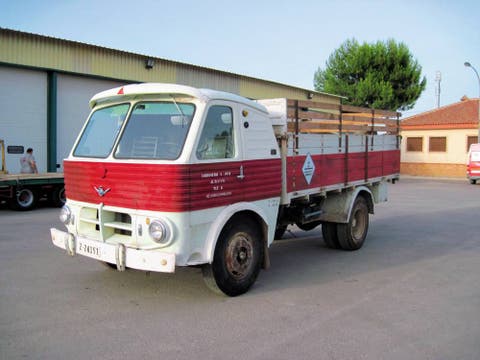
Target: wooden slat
[[313, 105], [307, 126], [311, 114], [319, 117], [357, 109]]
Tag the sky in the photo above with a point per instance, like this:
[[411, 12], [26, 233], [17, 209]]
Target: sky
[[276, 40]]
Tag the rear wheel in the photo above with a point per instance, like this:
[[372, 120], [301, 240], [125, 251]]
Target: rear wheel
[[24, 199], [351, 235], [237, 258], [329, 232], [58, 196]]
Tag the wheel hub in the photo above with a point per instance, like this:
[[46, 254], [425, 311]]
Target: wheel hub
[[239, 256]]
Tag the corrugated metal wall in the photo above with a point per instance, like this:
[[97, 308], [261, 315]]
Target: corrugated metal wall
[[204, 78], [36, 51], [41, 52]]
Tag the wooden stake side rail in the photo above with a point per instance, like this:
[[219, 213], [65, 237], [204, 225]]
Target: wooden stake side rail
[[317, 117]]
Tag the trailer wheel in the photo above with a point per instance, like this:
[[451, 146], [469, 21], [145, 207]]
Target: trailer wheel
[[237, 258], [23, 199], [351, 236], [58, 198], [330, 237]]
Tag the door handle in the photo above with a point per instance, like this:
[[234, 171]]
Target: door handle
[[241, 176]]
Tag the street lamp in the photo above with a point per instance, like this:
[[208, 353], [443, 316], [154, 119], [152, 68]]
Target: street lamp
[[467, 64]]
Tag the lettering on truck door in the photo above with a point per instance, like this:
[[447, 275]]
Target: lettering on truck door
[[219, 171]]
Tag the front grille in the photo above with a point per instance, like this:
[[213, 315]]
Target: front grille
[[102, 224]]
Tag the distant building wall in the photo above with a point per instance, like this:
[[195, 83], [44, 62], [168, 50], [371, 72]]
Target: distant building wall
[[432, 159]]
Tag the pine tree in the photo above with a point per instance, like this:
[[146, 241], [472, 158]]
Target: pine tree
[[383, 75]]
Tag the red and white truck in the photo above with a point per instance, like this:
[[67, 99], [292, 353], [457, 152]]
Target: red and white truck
[[166, 175], [473, 163]]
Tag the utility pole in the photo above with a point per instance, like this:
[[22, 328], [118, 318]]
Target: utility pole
[[467, 64], [438, 79]]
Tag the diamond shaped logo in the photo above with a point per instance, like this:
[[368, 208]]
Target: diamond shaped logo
[[308, 169]]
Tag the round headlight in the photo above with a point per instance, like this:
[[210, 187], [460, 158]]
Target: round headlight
[[158, 231], [65, 215]]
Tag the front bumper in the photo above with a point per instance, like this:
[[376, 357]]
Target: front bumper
[[119, 254]]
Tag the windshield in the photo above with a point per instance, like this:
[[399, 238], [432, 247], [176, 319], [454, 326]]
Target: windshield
[[155, 130], [101, 131]]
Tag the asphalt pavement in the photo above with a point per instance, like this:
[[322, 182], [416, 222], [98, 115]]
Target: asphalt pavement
[[412, 292]]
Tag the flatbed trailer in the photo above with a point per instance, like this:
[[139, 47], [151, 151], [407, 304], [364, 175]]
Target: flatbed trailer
[[22, 191]]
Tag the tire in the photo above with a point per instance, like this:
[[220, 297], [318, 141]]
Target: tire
[[57, 197], [24, 199], [237, 258], [351, 236], [473, 181], [308, 226], [330, 237]]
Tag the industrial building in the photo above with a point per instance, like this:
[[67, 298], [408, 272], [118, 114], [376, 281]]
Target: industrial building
[[46, 83]]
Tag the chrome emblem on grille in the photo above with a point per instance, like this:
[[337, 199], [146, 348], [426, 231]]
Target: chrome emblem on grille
[[101, 191]]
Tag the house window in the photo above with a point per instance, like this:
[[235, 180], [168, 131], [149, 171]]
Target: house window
[[414, 144], [437, 144], [471, 140]]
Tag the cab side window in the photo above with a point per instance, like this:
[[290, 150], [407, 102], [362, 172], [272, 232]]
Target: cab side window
[[216, 140]]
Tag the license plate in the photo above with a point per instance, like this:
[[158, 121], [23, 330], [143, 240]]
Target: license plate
[[89, 249]]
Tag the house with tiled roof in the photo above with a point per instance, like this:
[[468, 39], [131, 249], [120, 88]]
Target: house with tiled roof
[[436, 142]]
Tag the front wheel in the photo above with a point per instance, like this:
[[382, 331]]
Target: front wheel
[[351, 235], [237, 258], [473, 181]]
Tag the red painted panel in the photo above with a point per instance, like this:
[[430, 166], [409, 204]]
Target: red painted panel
[[330, 168], [175, 188]]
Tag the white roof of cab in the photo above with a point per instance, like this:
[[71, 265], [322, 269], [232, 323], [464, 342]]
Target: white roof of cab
[[118, 93]]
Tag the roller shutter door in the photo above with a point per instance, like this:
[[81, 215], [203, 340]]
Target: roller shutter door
[[23, 118], [73, 95]]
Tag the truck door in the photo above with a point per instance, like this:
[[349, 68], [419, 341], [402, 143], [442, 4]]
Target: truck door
[[219, 169]]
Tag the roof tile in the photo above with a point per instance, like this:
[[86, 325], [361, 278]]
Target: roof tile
[[463, 114]]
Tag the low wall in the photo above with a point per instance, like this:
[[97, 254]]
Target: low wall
[[433, 170]]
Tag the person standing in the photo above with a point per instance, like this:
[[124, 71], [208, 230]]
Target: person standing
[[28, 164]]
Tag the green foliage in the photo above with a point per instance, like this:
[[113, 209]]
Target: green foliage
[[383, 75]]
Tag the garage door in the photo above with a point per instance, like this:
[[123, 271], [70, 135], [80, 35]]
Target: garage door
[[23, 118], [74, 93]]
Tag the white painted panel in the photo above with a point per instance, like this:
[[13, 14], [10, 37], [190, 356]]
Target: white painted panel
[[259, 141], [23, 115], [74, 93]]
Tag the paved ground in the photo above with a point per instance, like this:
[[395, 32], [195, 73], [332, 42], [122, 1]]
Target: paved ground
[[412, 292]]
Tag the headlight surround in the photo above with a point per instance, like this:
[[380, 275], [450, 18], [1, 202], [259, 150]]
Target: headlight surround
[[159, 231], [65, 215]]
